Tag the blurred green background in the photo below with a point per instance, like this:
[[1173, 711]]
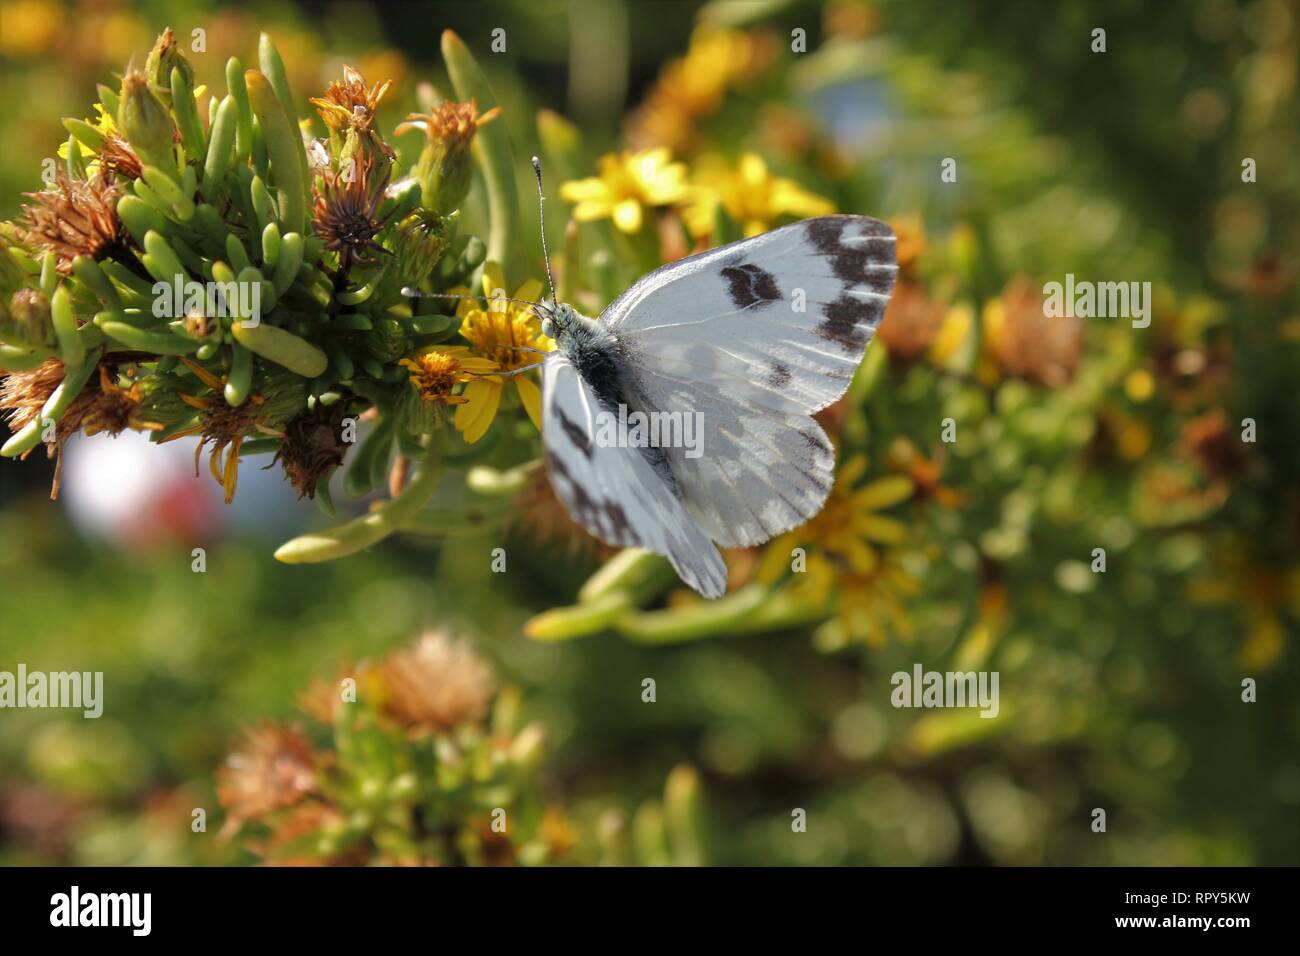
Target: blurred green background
[[1119, 690]]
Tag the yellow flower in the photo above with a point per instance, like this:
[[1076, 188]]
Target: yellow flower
[[911, 243], [750, 194], [1266, 595], [871, 605], [497, 333], [848, 525], [693, 87], [854, 557], [103, 123], [30, 28], [627, 183], [436, 373], [952, 335]]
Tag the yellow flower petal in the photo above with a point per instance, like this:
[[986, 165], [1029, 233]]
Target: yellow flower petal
[[473, 418], [883, 493], [627, 215], [494, 279], [530, 290], [852, 470], [881, 529], [531, 396], [590, 210], [862, 557], [582, 190]]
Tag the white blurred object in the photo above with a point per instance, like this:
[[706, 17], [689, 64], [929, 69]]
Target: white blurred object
[[140, 494]]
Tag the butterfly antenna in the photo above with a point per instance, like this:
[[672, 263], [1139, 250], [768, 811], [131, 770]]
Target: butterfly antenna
[[414, 293], [541, 221]]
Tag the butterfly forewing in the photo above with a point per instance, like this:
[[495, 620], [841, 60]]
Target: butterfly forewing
[[755, 336], [619, 494]]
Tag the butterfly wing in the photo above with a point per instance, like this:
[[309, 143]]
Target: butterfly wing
[[756, 336], [624, 496]]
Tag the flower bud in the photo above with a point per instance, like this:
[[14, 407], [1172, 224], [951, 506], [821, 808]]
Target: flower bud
[[418, 244], [528, 748], [145, 122], [165, 55], [443, 168], [11, 273], [26, 321]]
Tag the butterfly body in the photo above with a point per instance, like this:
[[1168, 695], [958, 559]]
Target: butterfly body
[[750, 339], [590, 347]]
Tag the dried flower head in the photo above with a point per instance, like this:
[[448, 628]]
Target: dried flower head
[[102, 406], [1210, 441], [912, 322], [450, 125], [346, 210], [26, 320], [118, 159], [108, 407], [436, 685], [350, 104], [77, 217], [1020, 341], [312, 447], [274, 768], [24, 394], [224, 426], [540, 515]]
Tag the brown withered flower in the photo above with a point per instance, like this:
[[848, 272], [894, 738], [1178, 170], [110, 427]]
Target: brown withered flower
[[323, 696], [443, 168], [24, 394], [1214, 446], [77, 217], [1020, 341], [223, 426], [109, 408], [912, 320], [118, 160], [312, 447], [539, 516], [101, 406], [272, 769], [283, 846], [350, 104], [345, 211], [436, 685], [451, 124]]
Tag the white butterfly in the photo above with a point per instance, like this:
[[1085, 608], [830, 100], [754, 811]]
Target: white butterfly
[[755, 337]]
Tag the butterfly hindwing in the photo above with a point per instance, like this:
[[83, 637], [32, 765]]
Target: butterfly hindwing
[[618, 493], [756, 336]]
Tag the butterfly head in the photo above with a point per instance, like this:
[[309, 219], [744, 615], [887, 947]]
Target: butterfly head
[[558, 319]]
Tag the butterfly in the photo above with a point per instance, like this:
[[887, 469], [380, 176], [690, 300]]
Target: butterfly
[[749, 339]]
